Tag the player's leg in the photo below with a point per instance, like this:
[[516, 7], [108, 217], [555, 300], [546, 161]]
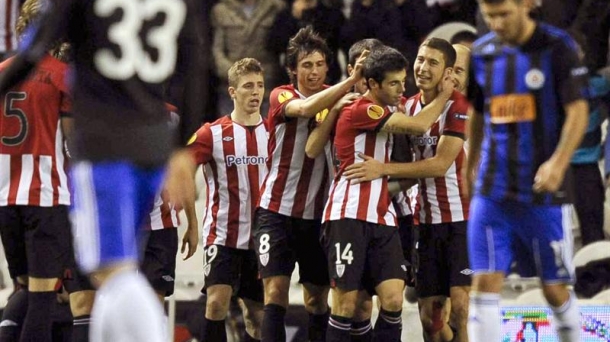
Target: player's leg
[[345, 243], [387, 267], [313, 275], [589, 201], [221, 269], [433, 282], [47, 234], [81, 298], [459, 280], [490, 255], [251, 296], [108, 200], [362, 330], [159, 262], [13, 239], [552, 245], [275, 263]]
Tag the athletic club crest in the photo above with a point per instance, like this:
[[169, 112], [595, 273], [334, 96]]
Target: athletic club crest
[[534, 79], [264, 258], [340, 270]]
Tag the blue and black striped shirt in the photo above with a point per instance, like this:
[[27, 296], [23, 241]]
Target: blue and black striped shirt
[[522, 91]]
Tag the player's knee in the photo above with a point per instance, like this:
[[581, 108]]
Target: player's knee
[[276, 293], [43, 284], [556, 294], [81, 302], [392, 301], [316, 303], [363, 311], [253, 324], [217, 304]]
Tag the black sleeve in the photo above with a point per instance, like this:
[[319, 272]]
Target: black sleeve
[[52, 26], [569, 72], [191, 52], [475, 93]]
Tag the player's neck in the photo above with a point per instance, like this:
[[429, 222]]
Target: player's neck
[[427, 96], [526, 33], [246, 119], [376, 100]]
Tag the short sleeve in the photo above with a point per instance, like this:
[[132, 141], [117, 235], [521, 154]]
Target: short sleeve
[[278, 100], [369, 116], [201, 144], [457, 116], [570, 73]]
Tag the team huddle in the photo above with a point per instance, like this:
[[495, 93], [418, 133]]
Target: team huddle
[[368, 191]]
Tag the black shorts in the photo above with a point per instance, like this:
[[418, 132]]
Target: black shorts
[[443, 258], [159, 262], [282, 241], [361, 255], [37, 240], [235, 267], [408, 237]]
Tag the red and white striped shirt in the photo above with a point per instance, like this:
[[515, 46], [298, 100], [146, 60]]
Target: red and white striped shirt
[[358, 131], [441, 199], [163, 214], [235, 165], [32, 157], [296, 185], [9, 11]]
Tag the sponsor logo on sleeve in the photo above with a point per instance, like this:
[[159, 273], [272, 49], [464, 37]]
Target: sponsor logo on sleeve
[[461, 116], [284, 96], [375, 112], [321, 115]]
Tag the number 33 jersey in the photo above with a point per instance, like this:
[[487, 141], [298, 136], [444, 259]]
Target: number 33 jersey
[[123, 52]]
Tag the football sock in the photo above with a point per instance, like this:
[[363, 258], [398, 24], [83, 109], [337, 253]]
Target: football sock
[[567, 320], [388, 326], [317, 326], [362, 331], [80, 328], [13, 316], [273, 323], [127, 309], [37, 324], [484, 317], [338, 329], [215, 331]]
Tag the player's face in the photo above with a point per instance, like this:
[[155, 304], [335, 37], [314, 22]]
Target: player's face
[[311, 72], [391, 88], [429, 68], [506, 19], [248, 95], [460, 69]]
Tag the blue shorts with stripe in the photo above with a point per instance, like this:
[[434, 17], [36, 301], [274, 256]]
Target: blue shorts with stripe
[[537, 237], [110, 202]]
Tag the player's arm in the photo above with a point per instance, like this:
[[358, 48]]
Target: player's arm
[[571, 79], [319, 136], [52, 26], [419, 124], [191, 236], [448, 148], [309, 107]]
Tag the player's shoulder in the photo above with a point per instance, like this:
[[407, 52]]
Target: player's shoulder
[[459, 99], [486, 45], [366, 106], [283, 93], [4, 64]]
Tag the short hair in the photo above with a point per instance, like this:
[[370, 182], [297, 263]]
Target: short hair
[[444, 47], [382, 61], [356, 49], [243, 67], [305, 42], [463, 36]]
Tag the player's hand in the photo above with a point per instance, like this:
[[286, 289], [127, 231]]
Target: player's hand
[[368, 170], [358, 66], [190, 240], [548, 177], [446, 85], [345, 100], [180, 183]]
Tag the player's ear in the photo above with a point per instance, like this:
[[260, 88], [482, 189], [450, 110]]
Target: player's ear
[[232, 92]]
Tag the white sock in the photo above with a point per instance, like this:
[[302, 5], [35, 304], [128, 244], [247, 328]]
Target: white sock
[[126, 309], [567, 320], [484, 322]]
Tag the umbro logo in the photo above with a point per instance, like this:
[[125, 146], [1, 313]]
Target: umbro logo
[[227, 138], [467, 271]]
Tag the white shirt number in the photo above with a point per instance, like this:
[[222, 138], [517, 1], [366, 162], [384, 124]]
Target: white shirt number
[[133, 58]]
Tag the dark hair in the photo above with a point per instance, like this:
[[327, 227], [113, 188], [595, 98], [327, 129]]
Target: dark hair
[[444, 47], [382, 61], [356, 49], [244, 66], [463, 36], [494, 2], [304, 43]]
